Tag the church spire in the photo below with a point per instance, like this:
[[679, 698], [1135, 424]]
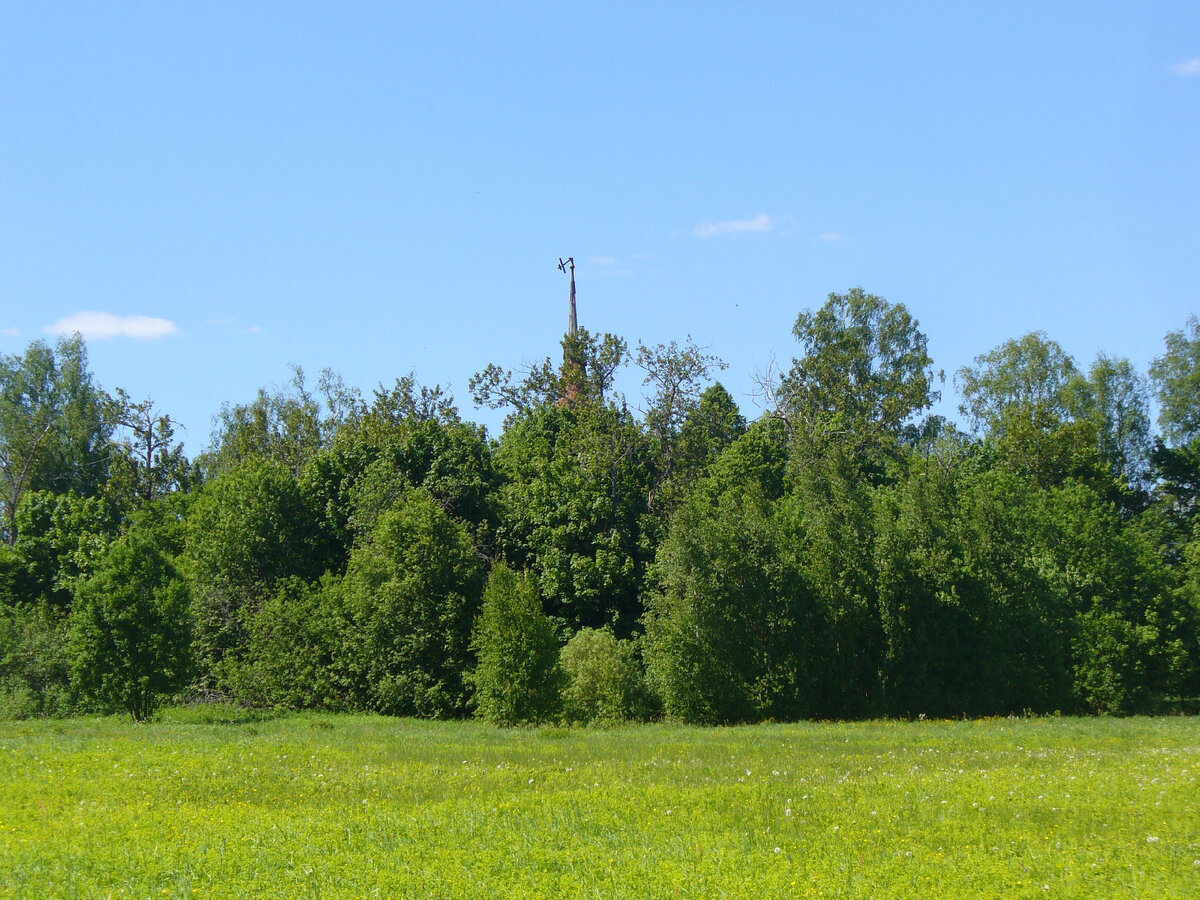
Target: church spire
[[574, 367], [573, 324]]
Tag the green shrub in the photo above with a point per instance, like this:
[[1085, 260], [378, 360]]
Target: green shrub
[[34, 670], [517, 679], [131, 628], [411, 593], [294, 657], [604, 679]]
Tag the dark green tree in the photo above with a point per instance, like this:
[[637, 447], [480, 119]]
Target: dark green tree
[[576, 482], [412, 591], [62, 536], [410, 437], [760, 458], [711, 426], [130, 628], [732, 632], [35, 672], [247, 529], [832, 503], [1133, 640], [302, 648], [934, 606], [976, 618]]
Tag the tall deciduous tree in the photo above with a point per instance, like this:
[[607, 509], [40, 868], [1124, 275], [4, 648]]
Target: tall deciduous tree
[[1028, 377], [53, 433], [411, 436], [864, 374], [1021, 397], [250, 527], [148, 461], [675, 375], [1176, 374], [1114, 400], [576, 482], [289, 425]]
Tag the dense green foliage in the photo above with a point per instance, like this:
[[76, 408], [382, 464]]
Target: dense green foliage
[[603, 679], [412, 591], [130, 628], [517, 677], [845, 555]]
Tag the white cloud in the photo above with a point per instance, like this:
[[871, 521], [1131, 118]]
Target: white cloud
[[99, 326], [11, 332], [1188, 67], [254, 329], [831, 237], [760, 223]]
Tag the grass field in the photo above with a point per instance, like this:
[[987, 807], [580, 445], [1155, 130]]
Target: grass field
[[212, 802]]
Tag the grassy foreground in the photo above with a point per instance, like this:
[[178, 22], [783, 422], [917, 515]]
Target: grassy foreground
[[211, 803]]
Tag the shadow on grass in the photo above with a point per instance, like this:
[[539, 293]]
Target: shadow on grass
[[214, 714]]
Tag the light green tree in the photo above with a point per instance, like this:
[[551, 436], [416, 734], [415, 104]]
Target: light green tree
[[1176, 374], [53, 434], [517, 677], [603, 682], [863, 377]]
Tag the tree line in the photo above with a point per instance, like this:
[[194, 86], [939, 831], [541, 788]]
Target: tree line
[[845, 554]]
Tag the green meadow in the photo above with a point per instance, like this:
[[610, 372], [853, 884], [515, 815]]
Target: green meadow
[[212, 802]]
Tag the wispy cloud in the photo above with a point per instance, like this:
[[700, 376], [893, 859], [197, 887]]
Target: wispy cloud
[[831, 237], [11, 332], [760, 223], [1188, 67], [229, 323], [100, 325], [603, 260]]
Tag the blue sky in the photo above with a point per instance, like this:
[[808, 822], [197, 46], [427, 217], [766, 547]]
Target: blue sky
[[385, 188]]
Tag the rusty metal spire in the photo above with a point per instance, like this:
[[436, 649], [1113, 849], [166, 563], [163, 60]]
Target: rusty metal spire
[[573, 325]]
